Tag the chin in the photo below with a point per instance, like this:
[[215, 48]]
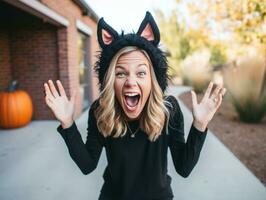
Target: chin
[[132, 116]]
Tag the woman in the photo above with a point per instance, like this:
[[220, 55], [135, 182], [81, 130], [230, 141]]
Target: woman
[[132, 119]]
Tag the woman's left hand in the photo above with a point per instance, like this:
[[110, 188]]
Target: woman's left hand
[[204, 111]]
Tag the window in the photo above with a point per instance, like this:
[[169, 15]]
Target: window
[[84, 67]]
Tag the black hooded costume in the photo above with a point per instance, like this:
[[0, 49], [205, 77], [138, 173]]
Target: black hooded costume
[[157, 57], [137, 167]]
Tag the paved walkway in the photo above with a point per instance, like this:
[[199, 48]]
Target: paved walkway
[[35, 165]]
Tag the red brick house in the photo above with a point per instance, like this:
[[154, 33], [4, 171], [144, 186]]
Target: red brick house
[[49, 39]]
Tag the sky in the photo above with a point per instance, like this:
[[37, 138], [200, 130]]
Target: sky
[[127, 14]]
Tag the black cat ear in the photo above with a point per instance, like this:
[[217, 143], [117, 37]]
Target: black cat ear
[[105, 33], [149, 29]]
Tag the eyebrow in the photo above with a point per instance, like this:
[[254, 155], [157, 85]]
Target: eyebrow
[[139, 65]]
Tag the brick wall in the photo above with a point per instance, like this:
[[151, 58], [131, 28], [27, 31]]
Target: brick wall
[[28, 54], [5, 71], [72, 12], [34, 60], [33, 51]]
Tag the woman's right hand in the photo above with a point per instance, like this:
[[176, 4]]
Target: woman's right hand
[[61, 106]]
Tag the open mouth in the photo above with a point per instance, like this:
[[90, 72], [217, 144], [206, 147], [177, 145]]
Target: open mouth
[[132, 100]]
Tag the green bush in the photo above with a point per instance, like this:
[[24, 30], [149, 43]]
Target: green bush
[[251, 111]]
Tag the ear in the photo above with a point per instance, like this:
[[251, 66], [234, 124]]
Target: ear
[[105, 33], [149, 30]]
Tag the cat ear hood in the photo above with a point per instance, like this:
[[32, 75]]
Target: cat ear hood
[[147, 38]]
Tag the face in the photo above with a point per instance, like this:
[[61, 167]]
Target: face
[[132, 83]]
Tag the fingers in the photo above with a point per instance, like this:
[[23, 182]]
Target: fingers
[[48, 92], [208, 91], [53, 89], [215, 93], [48, 96], [61, 88], [194, 99], [218, 103], [219, 97], [48, 102], [223, 91]]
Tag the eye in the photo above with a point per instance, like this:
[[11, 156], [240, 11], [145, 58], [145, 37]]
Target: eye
[[141, 74], [120, 74]]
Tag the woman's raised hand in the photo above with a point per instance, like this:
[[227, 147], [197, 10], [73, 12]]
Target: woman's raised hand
[[61, 106], [204, 111]]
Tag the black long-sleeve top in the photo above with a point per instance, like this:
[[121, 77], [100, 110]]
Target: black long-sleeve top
[[137, 167]]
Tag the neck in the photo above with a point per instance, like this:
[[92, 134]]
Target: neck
[[132, 120]]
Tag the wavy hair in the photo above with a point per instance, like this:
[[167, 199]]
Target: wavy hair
[[110, 116]]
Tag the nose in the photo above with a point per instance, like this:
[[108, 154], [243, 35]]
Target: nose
[[131, 81]]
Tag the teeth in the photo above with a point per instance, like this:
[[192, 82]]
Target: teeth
[[131, 94]]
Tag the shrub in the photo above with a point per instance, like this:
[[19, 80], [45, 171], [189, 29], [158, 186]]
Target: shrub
[[245, 81], [196, 70]]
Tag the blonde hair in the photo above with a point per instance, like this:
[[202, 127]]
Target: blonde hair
[[110, 116]]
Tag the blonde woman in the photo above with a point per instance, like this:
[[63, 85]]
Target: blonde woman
[[132, 118]]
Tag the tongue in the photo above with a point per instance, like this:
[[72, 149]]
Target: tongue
[[132, 101]]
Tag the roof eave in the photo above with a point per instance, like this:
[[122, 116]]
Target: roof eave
[[87, 10]]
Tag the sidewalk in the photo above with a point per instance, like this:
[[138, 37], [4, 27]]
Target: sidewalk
[[219, 175], [35, 165]]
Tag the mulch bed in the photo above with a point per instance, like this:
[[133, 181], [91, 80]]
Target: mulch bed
[[246, 141]]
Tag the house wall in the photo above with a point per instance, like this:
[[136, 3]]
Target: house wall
[[28, 53], [34, 60], [5, 70], [72, 12], [34, 51]]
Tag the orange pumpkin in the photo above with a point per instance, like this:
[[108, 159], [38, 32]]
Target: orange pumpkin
[[15, 107]]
